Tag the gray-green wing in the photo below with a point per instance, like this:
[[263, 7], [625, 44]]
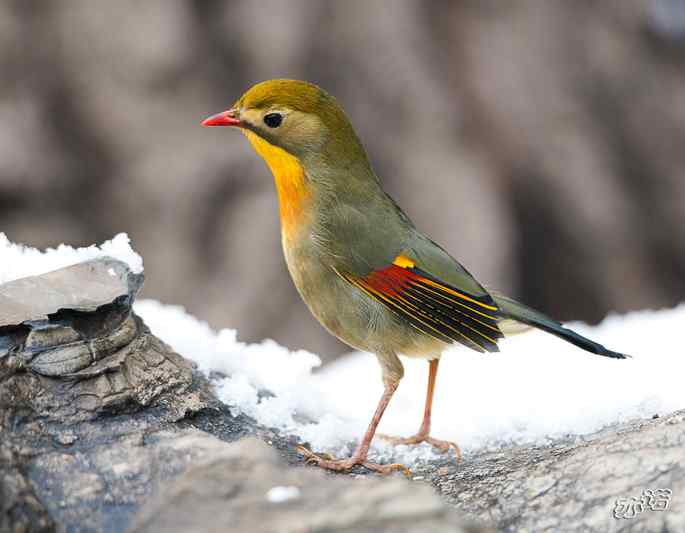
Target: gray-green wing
[[378, 250], [412, 283]]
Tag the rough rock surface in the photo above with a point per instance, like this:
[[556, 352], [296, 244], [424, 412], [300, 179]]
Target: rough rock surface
[[573, 485], [83, 287], [246, 487], [138, 440], [53, 428]]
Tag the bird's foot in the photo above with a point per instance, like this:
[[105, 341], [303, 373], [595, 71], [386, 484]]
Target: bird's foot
[[328, 462], [444, 446]]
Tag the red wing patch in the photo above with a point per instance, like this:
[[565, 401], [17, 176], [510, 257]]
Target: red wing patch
[[433, 307]]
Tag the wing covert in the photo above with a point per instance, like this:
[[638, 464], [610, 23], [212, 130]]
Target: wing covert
[[432, 306]]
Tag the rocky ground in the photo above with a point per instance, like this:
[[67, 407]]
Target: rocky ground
[[100, 436]]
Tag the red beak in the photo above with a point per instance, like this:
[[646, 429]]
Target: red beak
[[225, 118]]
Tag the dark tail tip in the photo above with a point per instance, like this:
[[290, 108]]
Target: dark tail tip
[[582, 342], [614, 355], [510, 308]]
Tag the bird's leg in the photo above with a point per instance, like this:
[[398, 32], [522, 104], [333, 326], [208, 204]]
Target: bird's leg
[[423, 434], [360, 454]]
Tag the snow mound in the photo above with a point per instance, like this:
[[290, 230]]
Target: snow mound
[[19, 261]]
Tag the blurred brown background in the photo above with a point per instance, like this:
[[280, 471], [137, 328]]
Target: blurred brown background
[[542, 143]]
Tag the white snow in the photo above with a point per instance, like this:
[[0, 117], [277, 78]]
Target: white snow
[[537, 388], [19, 261], [282, 494]]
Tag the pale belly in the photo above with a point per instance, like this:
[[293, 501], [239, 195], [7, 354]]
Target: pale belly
[[351, 315]]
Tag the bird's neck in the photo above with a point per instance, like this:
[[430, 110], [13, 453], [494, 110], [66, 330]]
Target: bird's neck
[[294, 194]]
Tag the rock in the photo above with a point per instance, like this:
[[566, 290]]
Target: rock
[[138, 440], [99, 486], [55, 427], [573, 484], [20, 509], [82, 287], [82, 315], [234, 491], [77, 323]]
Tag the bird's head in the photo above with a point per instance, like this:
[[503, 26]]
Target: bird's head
[[295, 116]]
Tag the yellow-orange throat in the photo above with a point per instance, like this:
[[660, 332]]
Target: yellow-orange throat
[[293, 192]]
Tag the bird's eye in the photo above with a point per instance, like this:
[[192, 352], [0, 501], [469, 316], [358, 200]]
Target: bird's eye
[[273, 120]]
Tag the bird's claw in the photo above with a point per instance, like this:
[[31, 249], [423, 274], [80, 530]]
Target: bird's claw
[[312, 458], [443, 446], [387, 469], [328, 462]]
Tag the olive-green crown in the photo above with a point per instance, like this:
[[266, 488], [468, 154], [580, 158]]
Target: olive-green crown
[[300, 95]]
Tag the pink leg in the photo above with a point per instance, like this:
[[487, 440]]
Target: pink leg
[[423, 434], [360, 454]]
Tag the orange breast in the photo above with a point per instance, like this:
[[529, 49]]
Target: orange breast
[[293, 192]]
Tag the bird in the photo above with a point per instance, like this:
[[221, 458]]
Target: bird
[[364, 270]]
